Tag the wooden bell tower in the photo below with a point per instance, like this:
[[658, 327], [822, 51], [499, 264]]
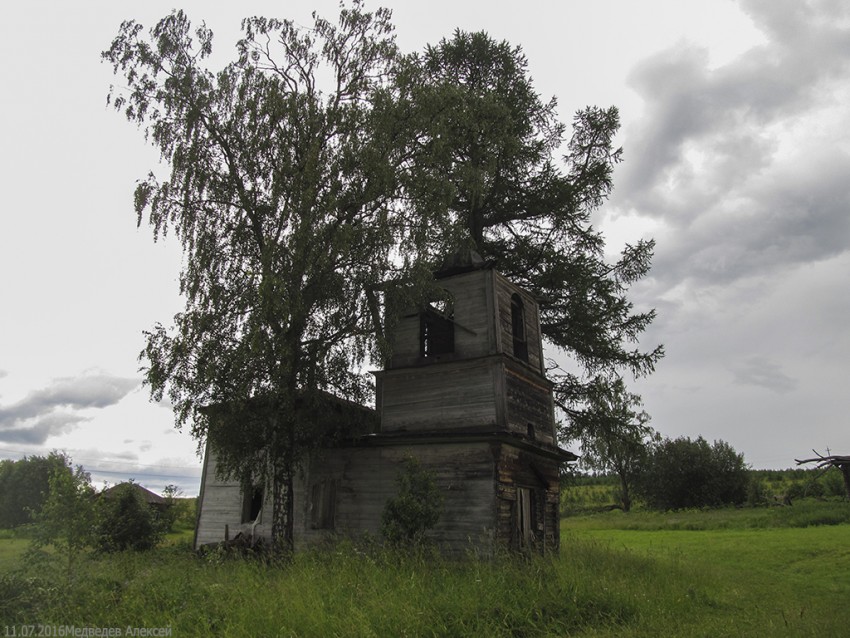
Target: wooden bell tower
[[472, 362], [470, 367]]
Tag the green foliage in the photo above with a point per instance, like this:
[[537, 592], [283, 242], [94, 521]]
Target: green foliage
[[283, 192], [23, 596], [184, 514], [416, 507], [65, 519], [806, 488], [757, 493], [833, 483], [125, 521], [614, 436], [179, 513], [682, 473], [804, 513], [24, 485], [74, 518], [485, 158], [797, 483], [818, 483], [588, 498]]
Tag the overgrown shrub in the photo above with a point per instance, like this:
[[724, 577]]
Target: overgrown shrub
[[682, 473], [415, 509], [179, 513], [833, 483], [22, 595], [757, 492], [806, 488], [126, 521]]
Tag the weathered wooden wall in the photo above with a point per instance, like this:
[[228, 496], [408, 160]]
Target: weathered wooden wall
[[504, 289], [521, 468], [221, 505], [474, 317], [365, 478], [482, 314], [529, 402], [500, 404], [453, 395], [464, 473]]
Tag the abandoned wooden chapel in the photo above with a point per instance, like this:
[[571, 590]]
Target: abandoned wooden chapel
[[465, 393]]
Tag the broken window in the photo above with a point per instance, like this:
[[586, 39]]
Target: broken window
[[520, 341], [436, 334], [252, 502], [323, 504]]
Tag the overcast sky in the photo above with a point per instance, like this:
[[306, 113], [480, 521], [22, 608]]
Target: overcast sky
[[737, 161]]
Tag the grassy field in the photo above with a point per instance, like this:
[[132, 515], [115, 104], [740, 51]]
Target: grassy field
[[759, 572], [748, 572]]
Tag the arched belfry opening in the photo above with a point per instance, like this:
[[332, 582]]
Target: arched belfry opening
[[436, 334]]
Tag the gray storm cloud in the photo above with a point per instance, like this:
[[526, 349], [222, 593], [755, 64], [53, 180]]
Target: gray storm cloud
[[54, 410], [733, 200], [743, 168], [763, 373]]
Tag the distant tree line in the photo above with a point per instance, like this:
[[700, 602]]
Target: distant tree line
[[665, 473], [24, 485], [681, 473]]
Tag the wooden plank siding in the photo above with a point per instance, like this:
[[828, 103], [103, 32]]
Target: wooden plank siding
[[479, 481], [517, 468], [221, 506], [480, 418], [529, 403], [504, 290], [472, 313], [452, 395], [366, 479]]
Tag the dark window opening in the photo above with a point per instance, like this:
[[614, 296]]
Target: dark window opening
[[520, 341], [436, 335], [530, 431], [252, 503], [323, 505]]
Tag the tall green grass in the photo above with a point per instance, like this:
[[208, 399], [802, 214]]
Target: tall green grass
[[340, 592], [732, 579]]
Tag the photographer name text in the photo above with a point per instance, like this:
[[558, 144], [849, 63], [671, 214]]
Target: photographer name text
[[72, 631]]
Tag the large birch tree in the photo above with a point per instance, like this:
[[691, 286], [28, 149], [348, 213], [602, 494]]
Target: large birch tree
[[282, 191]]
